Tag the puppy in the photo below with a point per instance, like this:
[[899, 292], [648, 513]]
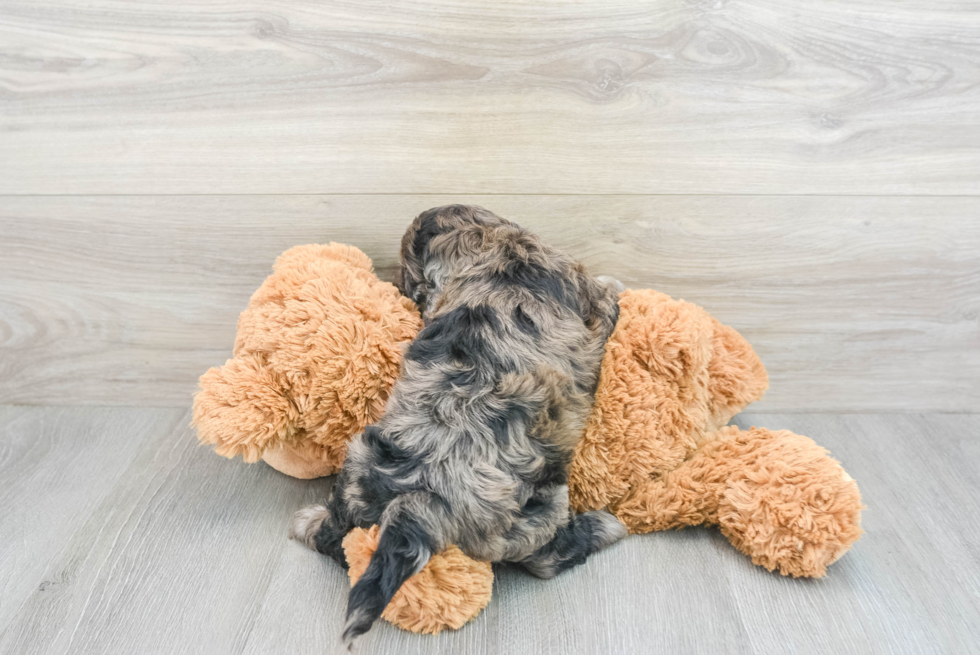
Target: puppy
[[478, 434]]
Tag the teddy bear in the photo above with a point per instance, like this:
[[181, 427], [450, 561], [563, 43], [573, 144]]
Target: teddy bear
[[317, 351], [319, 348], [657, 454]]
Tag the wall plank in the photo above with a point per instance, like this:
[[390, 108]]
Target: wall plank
[[854, 304], [310, 96]]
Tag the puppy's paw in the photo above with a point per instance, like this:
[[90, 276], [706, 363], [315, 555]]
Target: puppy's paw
[[610, 281], [605, 528], [306, 523]]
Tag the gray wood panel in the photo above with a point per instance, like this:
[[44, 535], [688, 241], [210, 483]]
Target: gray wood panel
[[176, 559], [56, 466], [911, 583], [177, 550], [854, 304], [312, 96]]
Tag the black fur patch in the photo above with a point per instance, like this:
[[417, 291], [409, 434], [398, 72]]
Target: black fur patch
[[428, 229], [555, 471], [571, 546], [381, 484], [535, 506], [335, 525], [524, 323], [386, 452], [544, 284], [459, 336], [515, 415]]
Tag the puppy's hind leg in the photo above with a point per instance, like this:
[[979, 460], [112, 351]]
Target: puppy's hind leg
[[323, 528], [306, 523], [583, 535]]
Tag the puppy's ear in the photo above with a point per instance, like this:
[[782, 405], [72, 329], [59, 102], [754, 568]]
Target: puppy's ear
[[426, 226], [599, 299], [414, 251]]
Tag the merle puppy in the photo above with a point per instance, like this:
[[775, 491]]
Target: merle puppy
[[477, 436]]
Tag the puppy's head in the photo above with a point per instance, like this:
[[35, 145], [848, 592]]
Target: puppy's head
[[435, 242]]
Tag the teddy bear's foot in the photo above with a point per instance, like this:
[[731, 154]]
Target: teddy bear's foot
[[305, 460], [795, 509], [449, 591], [777, 496]]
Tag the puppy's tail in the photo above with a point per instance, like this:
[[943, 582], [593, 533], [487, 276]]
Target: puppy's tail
[[409, 537]]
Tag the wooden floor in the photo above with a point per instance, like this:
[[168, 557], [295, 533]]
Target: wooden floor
[[121, 535], [809, 172]]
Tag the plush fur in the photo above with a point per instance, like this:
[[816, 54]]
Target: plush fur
[[652, 452], [474, 446], [670, 375], [318, 350], [777, 496]]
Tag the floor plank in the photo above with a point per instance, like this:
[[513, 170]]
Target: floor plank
[[910, 584], [186, 552], [443, 96], [177, 558], [56, 466], [854, 304]]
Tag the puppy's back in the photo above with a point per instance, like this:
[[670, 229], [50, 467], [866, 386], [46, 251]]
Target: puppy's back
[[502, 376], [478, 434]]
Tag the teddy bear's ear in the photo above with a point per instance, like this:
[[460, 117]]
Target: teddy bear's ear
[[736, 376], [315, 253], [241, 409]]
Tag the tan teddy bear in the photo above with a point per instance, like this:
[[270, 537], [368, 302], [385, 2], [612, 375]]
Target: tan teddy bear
[[317, 352], [319, 348], [656, 455]]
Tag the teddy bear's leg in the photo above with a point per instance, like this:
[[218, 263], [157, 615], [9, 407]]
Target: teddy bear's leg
[[777, 496], [788, 505], [583, 535], [687, 495], [242, 408], [692, 493]]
